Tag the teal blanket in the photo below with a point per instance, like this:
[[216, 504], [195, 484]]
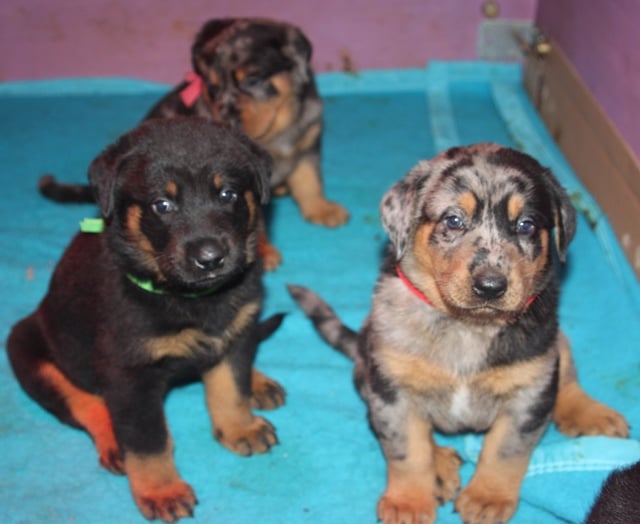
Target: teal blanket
[[328, 467]]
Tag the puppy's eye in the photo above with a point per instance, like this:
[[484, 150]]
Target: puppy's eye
[[525, 227], [162, 206], [251, 82], [228, 196], [454, 222]]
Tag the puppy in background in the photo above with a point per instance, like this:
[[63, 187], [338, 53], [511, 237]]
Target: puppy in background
[[463, 332], [254, 74], [619, 499], [170, 291], [257, 74]]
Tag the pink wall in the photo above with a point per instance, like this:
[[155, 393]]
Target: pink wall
[[150, 39], [602, 40]]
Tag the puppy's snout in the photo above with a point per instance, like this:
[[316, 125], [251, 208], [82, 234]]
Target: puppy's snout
[[206, 255], [489, 285]]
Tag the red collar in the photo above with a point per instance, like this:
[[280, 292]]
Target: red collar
[[530, 301], [411, 287], [424, 297]]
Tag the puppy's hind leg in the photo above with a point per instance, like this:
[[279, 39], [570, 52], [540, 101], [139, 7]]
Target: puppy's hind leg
[[266, 393], [46, 384], [576, 413], [407, 442], [447, 464]]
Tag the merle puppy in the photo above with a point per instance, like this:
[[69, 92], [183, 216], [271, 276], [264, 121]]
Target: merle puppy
[[463, 332]]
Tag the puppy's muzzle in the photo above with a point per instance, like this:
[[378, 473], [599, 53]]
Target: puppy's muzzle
[[206, 255], [489, 284], [230, 113], [227, 110]]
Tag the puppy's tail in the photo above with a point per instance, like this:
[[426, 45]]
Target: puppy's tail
[[63, 193], [268, 326], [326, 321]]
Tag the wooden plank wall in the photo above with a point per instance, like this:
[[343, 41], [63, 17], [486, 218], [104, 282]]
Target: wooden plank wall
[[590, 141]]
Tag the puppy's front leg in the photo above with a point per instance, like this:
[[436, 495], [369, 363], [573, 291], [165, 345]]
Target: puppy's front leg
[[409, 450], [493, 492], [141, 430], [157, 487], [228, 396]]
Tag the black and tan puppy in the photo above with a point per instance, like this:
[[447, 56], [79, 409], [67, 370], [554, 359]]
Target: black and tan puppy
[[463, 332], [169, 291], [255, 74]]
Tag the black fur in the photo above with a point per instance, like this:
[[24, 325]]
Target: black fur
[[163, 188], [619, 500]]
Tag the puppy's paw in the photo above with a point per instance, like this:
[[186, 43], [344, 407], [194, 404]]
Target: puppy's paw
[[576, 413], [406, 508], [266, 393], [169, 503], [592, 418], [97, 421], [111, 459], [271, 257], [280, 190], [481, 503], [258, 436], [447, 465], [324, 212]]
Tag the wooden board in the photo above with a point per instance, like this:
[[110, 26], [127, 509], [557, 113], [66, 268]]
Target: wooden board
[[591, 143]]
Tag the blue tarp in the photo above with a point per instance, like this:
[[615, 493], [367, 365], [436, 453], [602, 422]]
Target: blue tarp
[[328, 467]]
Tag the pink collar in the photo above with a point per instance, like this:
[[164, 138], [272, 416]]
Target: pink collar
[[411, 287], [192, 91]]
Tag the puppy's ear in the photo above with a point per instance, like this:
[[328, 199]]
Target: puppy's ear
[[103, 173], [298, 49], [207, 40], [564, 214], [261, 162], [400, 205], [300, 44]]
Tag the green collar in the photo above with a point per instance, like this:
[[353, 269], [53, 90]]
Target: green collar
[[96, 225], [92, 225], [148, 285]]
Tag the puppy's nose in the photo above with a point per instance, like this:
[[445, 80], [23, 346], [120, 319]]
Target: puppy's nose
[[206, 255], [489, 285], [228, 112]]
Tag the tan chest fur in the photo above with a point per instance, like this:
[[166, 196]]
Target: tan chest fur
[[440, 363], [191, 342]]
